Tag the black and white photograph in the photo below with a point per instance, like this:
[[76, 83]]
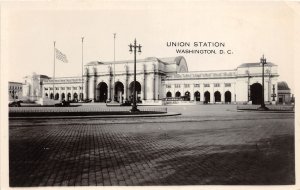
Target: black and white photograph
[[184, 94]]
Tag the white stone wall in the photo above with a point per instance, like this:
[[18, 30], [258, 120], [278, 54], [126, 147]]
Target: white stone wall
[[188, 85], [156, 76], [66, 87]]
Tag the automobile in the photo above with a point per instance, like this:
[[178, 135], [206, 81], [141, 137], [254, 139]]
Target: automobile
[[15, 103], [62, 104], [85, 101], [126, 103]]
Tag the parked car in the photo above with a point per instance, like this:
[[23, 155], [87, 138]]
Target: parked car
[[85, 101], [126, 103], [62, 104], [15, 103]]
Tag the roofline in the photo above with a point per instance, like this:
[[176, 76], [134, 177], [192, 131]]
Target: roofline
[[147, 59], [268, 64], [15, 82], [210, 71]]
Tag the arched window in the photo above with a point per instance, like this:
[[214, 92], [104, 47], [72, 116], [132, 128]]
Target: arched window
[[56, 96], [187, 96], [206, 97], [62, 96], [217, 96], [197, 96], [169, 94], [256, 93], [227, 97]]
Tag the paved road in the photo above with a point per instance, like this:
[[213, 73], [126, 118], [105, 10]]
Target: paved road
[[207, 144]]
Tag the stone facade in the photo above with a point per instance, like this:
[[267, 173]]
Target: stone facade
[[224, 86], [150, 74], [161, 80], [33, 86], [65, 88], [15, 90], [284, 93]]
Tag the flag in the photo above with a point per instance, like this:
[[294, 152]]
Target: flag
[[61, 56]]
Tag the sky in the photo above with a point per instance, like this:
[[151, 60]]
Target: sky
[[248, 29]]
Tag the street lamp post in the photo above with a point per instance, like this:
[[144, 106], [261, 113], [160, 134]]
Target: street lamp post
[[135, 47], [263, 107]]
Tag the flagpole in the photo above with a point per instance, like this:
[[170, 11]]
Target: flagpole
[[82, 67], [114, 67], [54, 74]]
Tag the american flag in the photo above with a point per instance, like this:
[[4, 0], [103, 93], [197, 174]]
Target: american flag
[[61, 56]]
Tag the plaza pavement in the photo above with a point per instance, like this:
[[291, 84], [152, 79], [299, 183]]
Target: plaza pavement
[[207, 144]]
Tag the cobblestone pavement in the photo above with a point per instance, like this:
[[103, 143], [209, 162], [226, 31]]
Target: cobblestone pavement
[[228, 148]]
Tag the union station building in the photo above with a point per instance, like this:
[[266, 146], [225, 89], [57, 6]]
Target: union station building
[[159, 81]]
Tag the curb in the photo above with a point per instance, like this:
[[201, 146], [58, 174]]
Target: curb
[[270, 111], [98, 116]]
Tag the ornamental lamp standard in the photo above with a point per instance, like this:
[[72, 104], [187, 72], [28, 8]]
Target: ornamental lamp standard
[[263, 107], [133, 48]]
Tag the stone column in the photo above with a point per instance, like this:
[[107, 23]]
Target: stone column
[[157, 86], [193, 93], [126, 85], [222, 92], [95, 83], [109, 89], [212, 94], [153, 82], [143, 84], [109, 84], [202, 91], [86, 84]]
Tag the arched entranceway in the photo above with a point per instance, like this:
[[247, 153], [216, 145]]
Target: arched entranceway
[[197, 96], [119, 91], [187, 96], [206, 97], [51, 96], [217, 96], [227, 97], [101, 92], [169, 94], [56, 96], [75, 97], [63, 96], [256, 93], [46, 95], [81, 96], [177, 94], [69, 97], [137, 89]]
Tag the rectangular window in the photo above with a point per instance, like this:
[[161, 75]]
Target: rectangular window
[[177, 85], [227, 84], [68, 88], [186, 85], [168, 86], [51, 88], [56, 88], [62, 88], [206, 85], [217, 85], [74, 88], [46, 88], [196, 85]]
